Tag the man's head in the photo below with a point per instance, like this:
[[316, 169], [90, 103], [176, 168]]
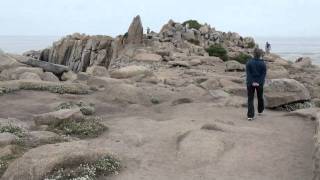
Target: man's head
[[257, 53]]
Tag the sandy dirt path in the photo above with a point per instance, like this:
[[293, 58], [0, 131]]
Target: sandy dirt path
[[197, 141]]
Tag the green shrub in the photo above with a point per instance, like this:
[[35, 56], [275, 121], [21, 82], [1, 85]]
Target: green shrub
[[88, 171], [219, 51], [296, 106], [243, 58], [251, 45], [4, 163], [194, 41], [107, 165], [85, 128], [155, 100], [193, 24], [13, 130]]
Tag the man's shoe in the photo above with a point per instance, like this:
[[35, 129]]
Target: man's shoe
[[250, 119]]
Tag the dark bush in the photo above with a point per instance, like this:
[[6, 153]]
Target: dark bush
[[243, 58], [251, 45], [192, 24], [219, 51], [194, 41]]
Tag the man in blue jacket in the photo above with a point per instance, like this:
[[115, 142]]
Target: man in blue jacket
[[256, 73]]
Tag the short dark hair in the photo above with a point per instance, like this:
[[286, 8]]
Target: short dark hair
[[257, 53]]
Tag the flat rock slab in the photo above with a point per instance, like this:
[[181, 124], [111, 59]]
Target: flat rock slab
[[57, 116], [49, 67], [38, 162]]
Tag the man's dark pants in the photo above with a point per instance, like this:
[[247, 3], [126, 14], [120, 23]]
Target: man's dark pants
[[251, 90]]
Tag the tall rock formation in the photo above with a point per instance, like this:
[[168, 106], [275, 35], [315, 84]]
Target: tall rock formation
[[135, 32], [80, 51]]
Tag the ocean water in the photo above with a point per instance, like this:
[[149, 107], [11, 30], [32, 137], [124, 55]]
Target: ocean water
[[288, 48], [20, 44], [293, 48]]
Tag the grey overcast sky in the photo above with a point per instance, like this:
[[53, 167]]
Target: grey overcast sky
[[288, 18]]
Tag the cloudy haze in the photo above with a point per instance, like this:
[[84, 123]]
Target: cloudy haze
[[112, 17]]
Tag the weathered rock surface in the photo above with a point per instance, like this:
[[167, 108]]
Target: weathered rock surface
[[130, 71], [80, 51], [54, 87], [7, 139], [201, 147], [276, 72], [6, 62], [303, 62], [179, 64], [49, 76], [46, 66], [102, 82], [97, 71], [147, 57], [234, 66], [38, 162], [285, 91], [36, 138], [15, 73], [29, 76], [69, 76], [57, 116]]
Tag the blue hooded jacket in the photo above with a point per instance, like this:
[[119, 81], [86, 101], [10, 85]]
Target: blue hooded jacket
[[256, 71]]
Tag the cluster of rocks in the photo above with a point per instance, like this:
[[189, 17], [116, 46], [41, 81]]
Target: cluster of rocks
[[174, 41], [48, 147], [170, 68]]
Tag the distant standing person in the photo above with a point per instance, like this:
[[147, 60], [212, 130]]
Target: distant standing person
[[256, 71], [148, 30], [268, 47]]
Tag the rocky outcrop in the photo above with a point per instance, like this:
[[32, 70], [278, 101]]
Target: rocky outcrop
[[135, 32], [280, 92], [80, 51]]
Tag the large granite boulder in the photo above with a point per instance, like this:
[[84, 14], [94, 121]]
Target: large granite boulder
[[276, 72], [280, 92], [303, 62], [15, 73], [6, 61], [275, 59], [30, 76], [234, 66]]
